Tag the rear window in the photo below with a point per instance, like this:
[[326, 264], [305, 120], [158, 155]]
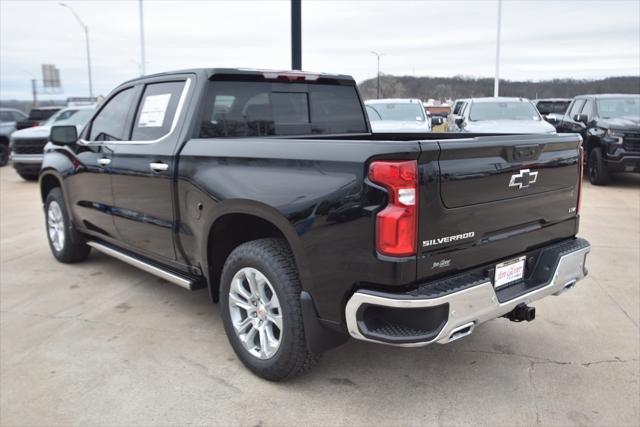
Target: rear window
[[503, 111], [237, 109], [549, 107], [398, 111]]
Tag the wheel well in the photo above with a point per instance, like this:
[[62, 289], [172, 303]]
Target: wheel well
[[49, 182], [4, 140], [229, 232]]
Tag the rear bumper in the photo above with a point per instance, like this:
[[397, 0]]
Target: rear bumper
[[450, 308]]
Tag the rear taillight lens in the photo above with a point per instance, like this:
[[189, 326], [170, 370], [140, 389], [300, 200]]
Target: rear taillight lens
[[397, 224], [580, 177]]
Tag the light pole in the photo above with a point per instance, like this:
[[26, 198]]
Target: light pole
[[496, 83], [296, 35], [86, 36], [142, 60], [34, 89], [378, 55]]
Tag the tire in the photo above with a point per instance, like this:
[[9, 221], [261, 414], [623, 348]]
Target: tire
[[28, 176], [597, 170], [67, 245], [272, 259], [4, 154]]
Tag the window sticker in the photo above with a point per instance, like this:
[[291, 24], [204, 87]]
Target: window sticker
[[154, 110]]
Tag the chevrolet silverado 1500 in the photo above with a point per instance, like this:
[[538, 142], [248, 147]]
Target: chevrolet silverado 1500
[[269, 190]]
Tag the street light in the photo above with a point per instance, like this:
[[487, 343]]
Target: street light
[[378, 55], [86, 36], [143, 70], [496, 82]]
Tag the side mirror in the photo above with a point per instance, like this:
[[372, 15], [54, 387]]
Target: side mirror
[[436, 121], [63, 135], [581, 118], [459, 121]]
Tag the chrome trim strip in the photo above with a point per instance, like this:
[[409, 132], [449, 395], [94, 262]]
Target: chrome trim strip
[[174, 124], [173, 278], [473, 305], [27, 158]]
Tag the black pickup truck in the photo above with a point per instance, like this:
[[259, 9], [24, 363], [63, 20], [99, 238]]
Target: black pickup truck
[[268, 189], [610, 127]]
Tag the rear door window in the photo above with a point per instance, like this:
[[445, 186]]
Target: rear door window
[[156, 110], [236, 109]]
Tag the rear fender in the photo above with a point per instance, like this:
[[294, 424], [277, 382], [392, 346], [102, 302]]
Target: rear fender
[[267, 213]]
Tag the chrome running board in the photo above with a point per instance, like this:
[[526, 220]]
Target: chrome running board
[[142, 265]]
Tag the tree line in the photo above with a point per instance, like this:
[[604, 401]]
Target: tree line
[[443, 88]]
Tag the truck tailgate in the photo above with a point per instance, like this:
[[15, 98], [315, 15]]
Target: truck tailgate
[[489, 198]]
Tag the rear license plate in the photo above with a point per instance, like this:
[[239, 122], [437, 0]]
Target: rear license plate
[[509, 271]]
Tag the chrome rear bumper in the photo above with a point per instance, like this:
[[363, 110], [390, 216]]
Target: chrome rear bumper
[[467, 308]]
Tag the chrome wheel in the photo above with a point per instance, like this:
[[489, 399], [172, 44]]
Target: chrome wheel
[[55, 224], [255, 313]]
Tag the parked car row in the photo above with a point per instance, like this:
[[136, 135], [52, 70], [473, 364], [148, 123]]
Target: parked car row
[[608, 123], [9, 117], [498, 115], [27, 145]]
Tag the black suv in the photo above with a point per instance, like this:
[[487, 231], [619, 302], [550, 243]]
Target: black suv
[[610, 128]]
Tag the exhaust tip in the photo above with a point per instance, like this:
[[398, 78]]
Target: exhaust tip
[[567, 286], [461, 331]]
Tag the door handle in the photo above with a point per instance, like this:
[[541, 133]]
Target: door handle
[[104, 161], [158, 166]]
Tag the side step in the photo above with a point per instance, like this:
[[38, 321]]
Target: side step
[[142, 265]]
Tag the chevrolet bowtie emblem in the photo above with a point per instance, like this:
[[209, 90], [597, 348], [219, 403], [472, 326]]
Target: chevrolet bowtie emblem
[[523, 179]]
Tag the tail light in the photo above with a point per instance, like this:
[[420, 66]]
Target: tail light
[[580, 177], [397, 224]]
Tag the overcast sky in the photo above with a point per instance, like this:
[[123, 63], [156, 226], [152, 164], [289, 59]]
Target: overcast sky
[[540, 39]]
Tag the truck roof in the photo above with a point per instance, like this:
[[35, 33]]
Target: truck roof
[[610, 95], [394, 101], [256, 73], [552, 100]]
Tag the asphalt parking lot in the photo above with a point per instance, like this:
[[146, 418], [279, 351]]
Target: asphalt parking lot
[[101, 343]]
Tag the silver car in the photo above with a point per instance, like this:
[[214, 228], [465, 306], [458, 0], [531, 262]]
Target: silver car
[[501, 115]]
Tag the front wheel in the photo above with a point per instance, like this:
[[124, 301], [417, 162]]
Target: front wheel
[[66, 244], [27, 176], [598, 174], [261, 312], [4, 154]]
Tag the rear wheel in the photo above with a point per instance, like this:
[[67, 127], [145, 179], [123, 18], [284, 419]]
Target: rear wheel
[[260, 305], [66, 244], [598, 174]]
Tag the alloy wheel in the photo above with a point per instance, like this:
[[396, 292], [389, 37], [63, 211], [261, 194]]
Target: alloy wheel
[[255, 313], [55, 224]]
